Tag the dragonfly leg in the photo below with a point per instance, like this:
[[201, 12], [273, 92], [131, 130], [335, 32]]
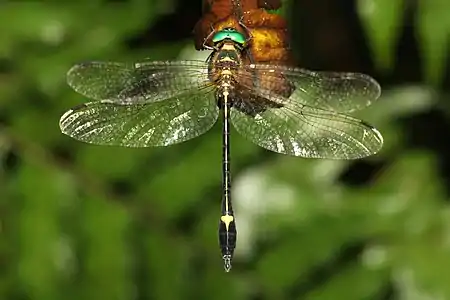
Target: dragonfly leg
[[207, 47], [247, 30]]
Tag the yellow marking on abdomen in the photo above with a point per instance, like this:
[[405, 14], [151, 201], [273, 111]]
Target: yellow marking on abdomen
[[227, 219]]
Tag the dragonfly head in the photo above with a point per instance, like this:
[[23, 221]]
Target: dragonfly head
[[229, 34]]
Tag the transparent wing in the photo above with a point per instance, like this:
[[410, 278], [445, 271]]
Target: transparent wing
[[338, 92], [148, 81], [276, 116], [172, 121], [309, 132]]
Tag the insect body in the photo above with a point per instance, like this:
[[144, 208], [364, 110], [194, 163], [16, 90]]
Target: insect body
[[283, 109]]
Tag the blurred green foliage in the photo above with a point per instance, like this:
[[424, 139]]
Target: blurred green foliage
[[85, 222], [382, 20]]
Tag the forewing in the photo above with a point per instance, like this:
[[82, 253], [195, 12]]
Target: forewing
[[148, 81], [338, 92], [163, 123]]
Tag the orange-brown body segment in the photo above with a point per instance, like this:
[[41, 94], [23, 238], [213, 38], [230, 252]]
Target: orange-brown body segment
[[224, 8], [268, 32]]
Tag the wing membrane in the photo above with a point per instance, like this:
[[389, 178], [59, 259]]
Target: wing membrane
[[338, 92], [310, 133], [286, 110], [137, 83], [161, 123]]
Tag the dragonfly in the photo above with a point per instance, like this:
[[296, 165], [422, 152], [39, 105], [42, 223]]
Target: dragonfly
[[283, 109]]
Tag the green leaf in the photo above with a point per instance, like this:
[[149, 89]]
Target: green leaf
[[433, 26], [382, 20]]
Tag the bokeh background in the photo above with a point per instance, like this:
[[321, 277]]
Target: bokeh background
[[79, 221]]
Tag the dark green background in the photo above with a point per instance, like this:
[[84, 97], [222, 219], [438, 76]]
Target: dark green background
[[85, 222]]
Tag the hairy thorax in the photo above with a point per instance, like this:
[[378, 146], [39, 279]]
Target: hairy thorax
[[224, 65]]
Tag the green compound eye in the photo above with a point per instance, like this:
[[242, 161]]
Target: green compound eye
[[231, 34]]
